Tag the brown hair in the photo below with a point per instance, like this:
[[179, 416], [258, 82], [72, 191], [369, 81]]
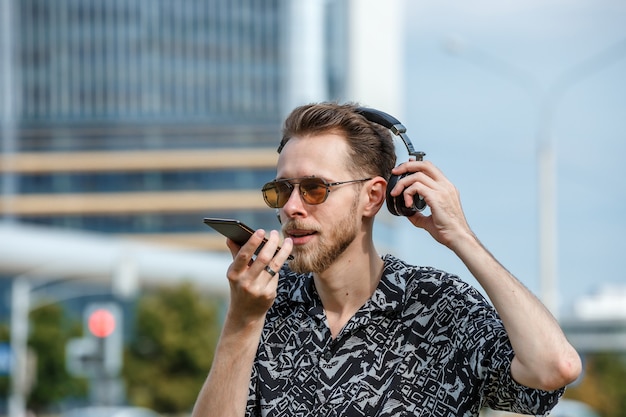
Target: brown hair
[[372, 151]]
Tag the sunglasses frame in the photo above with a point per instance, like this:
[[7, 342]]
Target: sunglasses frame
[[291, 184]]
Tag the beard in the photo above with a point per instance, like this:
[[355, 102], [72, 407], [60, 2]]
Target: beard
[[319, 257]]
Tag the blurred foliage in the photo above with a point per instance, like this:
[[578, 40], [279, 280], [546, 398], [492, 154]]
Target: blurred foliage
[[166, 360], [171, 350], [176, 331], [50, 331], [603, 386]]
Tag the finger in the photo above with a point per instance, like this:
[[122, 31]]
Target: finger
[[275, 264], [232, 247], [280, 256], [266, 261], [270, 271], [242, 255], [420, 220], [419, 166], [410, 185], [266, 253], [408, 167], [407, 174], [415, 189]]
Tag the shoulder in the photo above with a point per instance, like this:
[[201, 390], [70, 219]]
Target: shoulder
[[426, 281], [429, 290]]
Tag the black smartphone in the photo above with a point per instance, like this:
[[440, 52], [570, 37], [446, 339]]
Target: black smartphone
[[235, 230]]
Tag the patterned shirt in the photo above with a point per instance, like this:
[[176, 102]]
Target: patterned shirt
[[425, 344]]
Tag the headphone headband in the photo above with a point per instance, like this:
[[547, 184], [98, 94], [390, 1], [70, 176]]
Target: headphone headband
[[391, 123]]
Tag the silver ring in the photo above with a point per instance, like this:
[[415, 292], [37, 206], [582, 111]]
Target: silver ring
[[270, 271]]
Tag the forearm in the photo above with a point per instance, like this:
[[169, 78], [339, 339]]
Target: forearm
[[543, 357], [225, 391], [252, 293]]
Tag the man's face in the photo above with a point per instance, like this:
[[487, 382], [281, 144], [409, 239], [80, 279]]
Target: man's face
[[322, 232]]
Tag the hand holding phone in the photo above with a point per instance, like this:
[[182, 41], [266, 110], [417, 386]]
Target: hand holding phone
[[235, 230]]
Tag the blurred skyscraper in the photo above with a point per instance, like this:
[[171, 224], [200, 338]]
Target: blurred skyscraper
[[140, 117]]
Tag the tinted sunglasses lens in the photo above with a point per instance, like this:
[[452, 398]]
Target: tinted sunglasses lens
[[270, 194], [313, 190], [276, 193], [283, 191]]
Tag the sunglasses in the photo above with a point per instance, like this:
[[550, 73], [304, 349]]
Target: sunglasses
[[312, 190]]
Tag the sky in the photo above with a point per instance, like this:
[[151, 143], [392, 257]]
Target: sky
[[478, 123]]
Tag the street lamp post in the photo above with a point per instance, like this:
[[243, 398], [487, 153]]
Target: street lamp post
[[20, 306], [545, 101]]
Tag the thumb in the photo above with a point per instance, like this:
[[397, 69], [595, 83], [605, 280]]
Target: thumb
[[233, 247], [419, 220]]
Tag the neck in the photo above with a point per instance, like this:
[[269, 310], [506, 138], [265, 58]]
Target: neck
[[348, 284]]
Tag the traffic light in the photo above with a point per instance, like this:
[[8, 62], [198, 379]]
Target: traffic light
[[99, 352], [103, 323]]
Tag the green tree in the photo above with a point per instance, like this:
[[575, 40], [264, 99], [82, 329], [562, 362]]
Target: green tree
[[172, 349], [50, 331]]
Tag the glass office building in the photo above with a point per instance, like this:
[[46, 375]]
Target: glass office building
[[140, 117]]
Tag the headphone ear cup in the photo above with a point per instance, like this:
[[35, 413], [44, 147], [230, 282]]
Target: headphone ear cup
[[396, 205], [393, 205]]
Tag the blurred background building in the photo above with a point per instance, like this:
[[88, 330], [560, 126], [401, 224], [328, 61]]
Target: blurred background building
[[138, 118]]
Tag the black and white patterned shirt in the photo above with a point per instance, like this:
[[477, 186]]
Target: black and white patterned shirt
[[425, 344]]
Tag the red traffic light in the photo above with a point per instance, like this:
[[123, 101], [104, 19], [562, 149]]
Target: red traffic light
[[101, 323]]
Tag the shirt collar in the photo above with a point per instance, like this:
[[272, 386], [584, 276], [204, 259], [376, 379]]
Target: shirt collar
[[388, 296]]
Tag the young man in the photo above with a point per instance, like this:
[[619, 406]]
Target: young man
[[342, 331]]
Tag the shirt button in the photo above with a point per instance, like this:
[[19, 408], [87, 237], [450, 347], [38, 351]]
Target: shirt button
[[328, 356]]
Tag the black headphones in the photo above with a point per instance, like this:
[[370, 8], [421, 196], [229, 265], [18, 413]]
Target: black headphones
[[396, 205]]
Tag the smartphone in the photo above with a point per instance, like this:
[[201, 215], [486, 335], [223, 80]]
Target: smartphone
[[235, 230]]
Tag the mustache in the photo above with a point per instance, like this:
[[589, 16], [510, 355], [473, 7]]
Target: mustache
[[297, 225]]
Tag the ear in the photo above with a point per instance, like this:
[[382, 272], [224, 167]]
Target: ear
[[376, 191]]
